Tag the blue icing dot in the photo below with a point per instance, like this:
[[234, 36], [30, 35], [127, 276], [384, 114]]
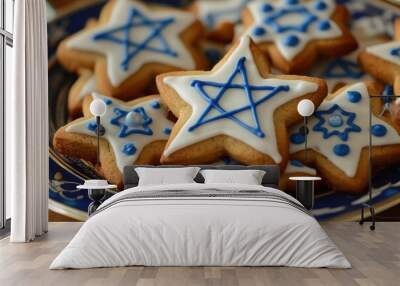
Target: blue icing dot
[[335, 121], [167, 130], [296, 163], [378, 130], [321, 5], [353, 96], [324, 25], [92, 126], [297, 138], [291, 41], [155, 104], [292, 2], [395, 52], [259, 31], [108, 101], [129, 149], [341, 150], [266, 8]]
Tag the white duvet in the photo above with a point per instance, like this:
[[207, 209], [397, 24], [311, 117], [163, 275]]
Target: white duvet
[[200, 231]]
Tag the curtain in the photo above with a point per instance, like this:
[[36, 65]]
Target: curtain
[[27, 123]]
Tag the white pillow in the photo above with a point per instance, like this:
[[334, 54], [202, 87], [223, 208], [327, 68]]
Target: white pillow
[[166, 176], [248, 177]]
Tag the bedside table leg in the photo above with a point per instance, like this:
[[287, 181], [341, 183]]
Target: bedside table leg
[[96, 196], [305, 193]]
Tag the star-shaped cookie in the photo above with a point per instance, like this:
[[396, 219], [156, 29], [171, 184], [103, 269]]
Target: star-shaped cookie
[[338, 137], [236, 109], [220, 17], [382, 61], [294, 33], [135, 133], [85, 85], [131, 43]]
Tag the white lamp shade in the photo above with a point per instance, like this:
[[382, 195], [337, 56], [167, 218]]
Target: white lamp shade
[[305, 107], [98, 107]]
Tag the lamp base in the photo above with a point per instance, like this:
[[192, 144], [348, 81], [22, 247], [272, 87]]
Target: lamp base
[[372, 212]]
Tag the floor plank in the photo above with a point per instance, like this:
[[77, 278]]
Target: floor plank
[[375, 257]]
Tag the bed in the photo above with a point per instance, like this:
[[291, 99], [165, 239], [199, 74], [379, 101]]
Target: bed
[[201, 224]]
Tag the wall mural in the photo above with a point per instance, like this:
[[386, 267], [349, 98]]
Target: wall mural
[[337, 131]]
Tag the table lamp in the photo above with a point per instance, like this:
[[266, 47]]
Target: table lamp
[[98, 108], [305, 108]]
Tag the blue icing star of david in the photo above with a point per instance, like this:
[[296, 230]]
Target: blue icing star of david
[[214, 103], [336, 122], [131, 47], [343, 68], [273, 19], [125, 130]]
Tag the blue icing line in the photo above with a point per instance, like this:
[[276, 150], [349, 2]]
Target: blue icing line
[[341, 150], [324, 25], [321, 5], [353, 96], [273, 19], [167, 130], [292, 2], [291, 41], [129, 149], [155, 104], [296, 163], [327, 131], [130, 46], [125, 130], [297, 138], [214, 102], [343, 68], [259, 31], [378, 130], [388, 90], [266, 8]]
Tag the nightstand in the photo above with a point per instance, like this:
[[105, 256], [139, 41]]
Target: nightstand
[[305, 190], [96, 192]]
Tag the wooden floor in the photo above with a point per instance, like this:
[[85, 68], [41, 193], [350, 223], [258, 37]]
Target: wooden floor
[[375, 257]]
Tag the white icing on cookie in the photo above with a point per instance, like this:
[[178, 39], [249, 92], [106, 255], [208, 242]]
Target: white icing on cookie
[[241, 125], [89, 87], [158, 125], [213, 13], [292, 26], [136, 35], [388, 51], [296, 167], [348, 150]]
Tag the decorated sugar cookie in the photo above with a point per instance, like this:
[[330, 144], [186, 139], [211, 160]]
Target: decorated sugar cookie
[[338, 137], [340, 71], [382, 61], [131, 43], [84, 86], [237, 109], [294, 33], [135, 132], [220, 17]]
